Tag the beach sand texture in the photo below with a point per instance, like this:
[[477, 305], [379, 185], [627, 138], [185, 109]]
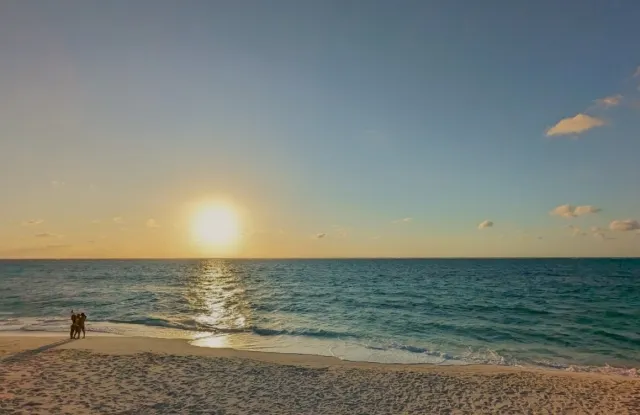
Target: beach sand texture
[[112, 375]]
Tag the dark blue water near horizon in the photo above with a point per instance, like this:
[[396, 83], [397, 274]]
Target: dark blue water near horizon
[[580, 314]]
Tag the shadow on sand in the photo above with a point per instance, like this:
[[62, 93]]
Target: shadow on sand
[[26, 354]]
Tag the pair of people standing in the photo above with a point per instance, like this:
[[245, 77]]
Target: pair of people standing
[[77, 325]]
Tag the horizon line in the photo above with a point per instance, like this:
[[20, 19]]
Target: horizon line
[[308, 258]]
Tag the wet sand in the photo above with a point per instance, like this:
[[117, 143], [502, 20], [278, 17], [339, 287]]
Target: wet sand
[[121, 375]]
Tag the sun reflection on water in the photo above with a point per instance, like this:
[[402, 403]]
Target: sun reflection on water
[[216, 295]]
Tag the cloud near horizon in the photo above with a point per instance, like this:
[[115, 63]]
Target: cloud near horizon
[[485, 224], [151, 223], [403, 220], [569, 211], [32, 222], [320, 235], [46, 235], [576, 231], [574, 125], [624, 225], [118, 220]]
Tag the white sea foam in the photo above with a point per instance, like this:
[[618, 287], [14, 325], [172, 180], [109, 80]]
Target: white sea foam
[[347, 350]]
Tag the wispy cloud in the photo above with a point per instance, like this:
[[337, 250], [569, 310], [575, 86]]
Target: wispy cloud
[[585, 210], [320, 235], [118, 219], [624, 225], [485, 224], [636, 74], [574, 125], [611, 101], [403, 220], [151, 223], [576, 231], [96, 221], [32, 222], [47, 235], [600, 233], [57, 184], [569, 211]]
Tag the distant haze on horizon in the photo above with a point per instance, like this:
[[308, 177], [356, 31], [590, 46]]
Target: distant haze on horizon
[[298, 129]]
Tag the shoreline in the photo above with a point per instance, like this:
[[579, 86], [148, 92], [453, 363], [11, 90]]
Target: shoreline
[[170, 375], [194, 345]]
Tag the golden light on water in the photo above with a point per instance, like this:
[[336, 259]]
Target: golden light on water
[[216, 226]]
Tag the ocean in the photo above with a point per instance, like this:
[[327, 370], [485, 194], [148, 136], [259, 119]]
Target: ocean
[[571, 314]]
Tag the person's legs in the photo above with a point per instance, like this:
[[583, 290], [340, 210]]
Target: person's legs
[[83, 333]]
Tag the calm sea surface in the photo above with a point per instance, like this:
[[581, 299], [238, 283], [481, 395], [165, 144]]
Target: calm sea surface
[[580, 314]]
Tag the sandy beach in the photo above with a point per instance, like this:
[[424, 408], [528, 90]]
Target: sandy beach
[[109, 375]]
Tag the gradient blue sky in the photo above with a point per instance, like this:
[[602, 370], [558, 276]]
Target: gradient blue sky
[[320, 118]]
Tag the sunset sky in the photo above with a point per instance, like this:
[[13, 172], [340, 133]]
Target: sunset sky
[[328, 128]]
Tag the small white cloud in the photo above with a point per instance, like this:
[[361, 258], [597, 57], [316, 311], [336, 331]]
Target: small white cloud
[[485, 224], [320, 235], [612, 101], [636, 74], [118, 219], [574, 125], [151, 223], [566, 211], [569, 211], [403, 220], [624, 225], [57, 184], [32, 222]]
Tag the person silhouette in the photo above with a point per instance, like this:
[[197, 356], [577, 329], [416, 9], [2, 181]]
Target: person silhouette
[[80, 324], [74, 325]]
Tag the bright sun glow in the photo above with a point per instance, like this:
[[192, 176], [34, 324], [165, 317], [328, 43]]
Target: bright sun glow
[[216, 225]]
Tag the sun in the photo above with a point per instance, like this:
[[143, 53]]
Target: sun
[[216, 225]]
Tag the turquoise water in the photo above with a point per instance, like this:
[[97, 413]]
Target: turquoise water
[[580, 314]]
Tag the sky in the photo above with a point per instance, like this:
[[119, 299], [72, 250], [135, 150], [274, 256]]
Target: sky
[[332, 128]]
